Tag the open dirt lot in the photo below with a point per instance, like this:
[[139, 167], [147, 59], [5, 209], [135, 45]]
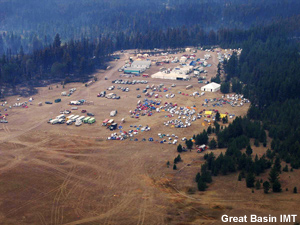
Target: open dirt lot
[[59, 174]]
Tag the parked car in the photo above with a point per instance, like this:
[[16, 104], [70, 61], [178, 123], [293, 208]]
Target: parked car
[[47, 102], [90, 114], [83, 111]]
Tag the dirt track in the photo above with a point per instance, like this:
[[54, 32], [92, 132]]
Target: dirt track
[[58, 174]]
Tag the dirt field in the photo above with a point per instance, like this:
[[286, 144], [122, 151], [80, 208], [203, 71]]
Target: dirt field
[[59, 174]]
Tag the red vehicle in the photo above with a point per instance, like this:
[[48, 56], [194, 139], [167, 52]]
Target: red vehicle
[[83, 111], [145, 75]]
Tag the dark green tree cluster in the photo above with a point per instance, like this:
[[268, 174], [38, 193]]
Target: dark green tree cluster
[[73, 60], [138, 23], [203, 178], [177, 159], [202, 138]]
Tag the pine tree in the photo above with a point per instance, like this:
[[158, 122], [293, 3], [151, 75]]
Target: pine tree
[[256, 143], [189, 144], [286, 168], [57, 41], [218, 116], [276, 186], [209, 130], [277, 165], [295, 190], [249, 150], [250, 179], [240, 177], [174, 167], [266, 185], [179, 148], [212, 144], [257, 185], [198, 176], [201, 185], [273, 175], [168, 164]]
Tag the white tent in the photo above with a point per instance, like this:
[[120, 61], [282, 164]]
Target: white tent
[[212, 87]]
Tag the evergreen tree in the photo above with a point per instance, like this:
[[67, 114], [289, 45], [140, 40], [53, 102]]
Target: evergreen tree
[[225, 88], [273, 175], [209, 130], [213, 144], [266, 185], [276, 186], [286, 168], [250, 179], [218, 116], [174, 167], [239, 177], [295, 190], [57, 41], [256, 143], [249, 150], [257, 185], [198, 176], [277, 165], [189, 144], [179, 148], [201, 185]]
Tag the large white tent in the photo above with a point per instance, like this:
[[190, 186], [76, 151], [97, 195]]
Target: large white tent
[[211, 87], [170, 76]]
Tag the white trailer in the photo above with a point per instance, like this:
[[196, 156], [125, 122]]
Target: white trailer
[[75, 118], [70, 117], [54, 121], [61, 116], [81, 118]]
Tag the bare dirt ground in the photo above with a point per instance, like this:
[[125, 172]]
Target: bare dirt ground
[[59, 174]]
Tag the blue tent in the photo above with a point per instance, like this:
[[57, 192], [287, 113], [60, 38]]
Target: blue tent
[[193, 63], [150, 139]]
